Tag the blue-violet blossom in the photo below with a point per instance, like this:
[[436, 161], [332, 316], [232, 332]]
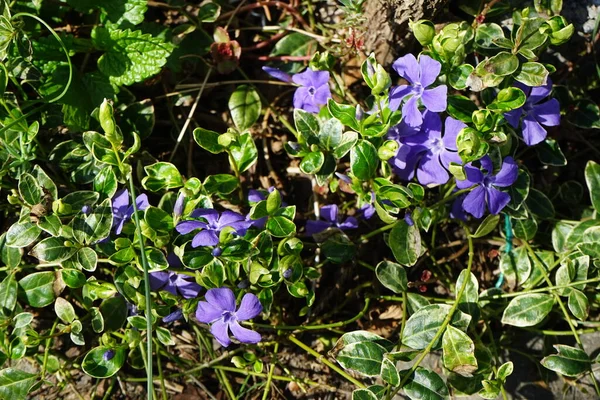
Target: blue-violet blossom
[[219, 311], [420, 76], [536, 114], [486, 191], [174, 283], [330, 215], [215, 223], [122, 210], [313, 91]]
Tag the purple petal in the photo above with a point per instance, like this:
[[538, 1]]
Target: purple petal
[[254, 196], [314, 227], [189, 226], [186, 287], [158, 279], [241, 227], [120, 223], [431, 171], [244, 335], [514, 117], [457, 211], [120, 201], [497, 200], [228, 217], [547, 113], [487, 164], [322, 94], [304, 100], [452, 128], [435, 99], [397, 93], [405, 162], [329, 212], [174, 260], [446, 157], [220, 331], [207, 313], [178, 207], [222, 298], [211, 216], [508, 173], [474, 203], [430, 69], [206, 237], [408, 68], [174, 316], [142, 202], [367, 211], [539, 93], [349, 223], [474, 177], [250, 307], [533, 132], [277, 74], [410, 112]]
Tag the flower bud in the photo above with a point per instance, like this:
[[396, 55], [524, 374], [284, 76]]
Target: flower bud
[[108, 355], [423, 30], [388, 150]]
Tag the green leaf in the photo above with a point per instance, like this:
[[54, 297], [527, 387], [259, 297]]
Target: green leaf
[[22, 234], [307, 125], [389, 373], [38, 288], [280, 226], [162, 176], [10, 256], [502, 64], [64, 310], [392, 276], [76, 201], [423, 325], [425, 384], [486, 35], [507, 99], [52, 249], [97, 320], [459, 352], [524, 228], [330, 134], [364, 160], [363, 394], [405, 242], [592, 179], [505, 370], [539, 204], [87, 258], [8, 295], [461, 108], [220, 183], [29, 189], [469, 301], [51, 224], [294, 44], [130, 56], [312, 163], [348, 142], [532, 74], [519, 190], [106, 182], [487, 225], [457, 78], [365, 358], [569, 361], [586, 115], [158, 219], [15, 384], [22, 319], [164, 336], [528, 309], [344, 113], [72, 278], [96, 366], [244, 152], [245, 106], [95, 226], [208, 140], [45, 182], [578, 304], [114, 311]]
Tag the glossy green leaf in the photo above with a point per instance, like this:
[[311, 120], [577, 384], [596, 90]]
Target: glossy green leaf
[[461, 108], [592, 179], [244, 152], [364, 160], [38, 288], [64, 310], [392, 276], [507, 99], [459, 352], [349, 140], [423, 325], [307, 124], [22, 234], [405, 242], [52, 249], [389, 373], [579, 304], [8, 295], [524, 228], [569, 361], [208, 140], [532, 74], [162, 176], [114, 311], [280, 226], [330, 134], [94, 363], [72, 278], [528, 309], [220, 183], [425, 384], [312, 163], [487, 225], [29, 189], [106, 182], [245, 106], [15, 384], [365, 358]]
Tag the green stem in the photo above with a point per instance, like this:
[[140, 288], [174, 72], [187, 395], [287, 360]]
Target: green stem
[[147, 293], [47, 350], [271, 371], [376, 232], [163, 391], [275, 377], [325, 361]]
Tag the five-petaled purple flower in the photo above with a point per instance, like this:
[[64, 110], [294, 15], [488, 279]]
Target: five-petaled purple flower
[[174, 283], [420, 76], [313, 91], [330, 215], [219, 310], [121, 209], [215, 223], [536, 114], [486, 191], [427, 149]]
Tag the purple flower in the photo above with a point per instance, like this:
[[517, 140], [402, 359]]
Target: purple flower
[[108, 355], [121, 209], [420, 76], [174, 316], [536, 114], [368, 209], [486, 191], [313, 91], [330, 215], [178, 207], [427, 149], [219, 310], [86, 209], [215, 223], [174, 283], [457, 211]]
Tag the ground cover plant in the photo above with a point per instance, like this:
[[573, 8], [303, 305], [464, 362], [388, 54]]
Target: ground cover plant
[[238, 200]]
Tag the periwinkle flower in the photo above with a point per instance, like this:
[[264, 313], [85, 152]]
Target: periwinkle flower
[[122, 210], [174, 316], [313, 91], [174, 283], [420, 76], [108, 355], [219, 311], [329, 214], [215, 223], [427, 150], [86, 209], [179, 203], [486, 183], [536, 113], [368, 209]]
